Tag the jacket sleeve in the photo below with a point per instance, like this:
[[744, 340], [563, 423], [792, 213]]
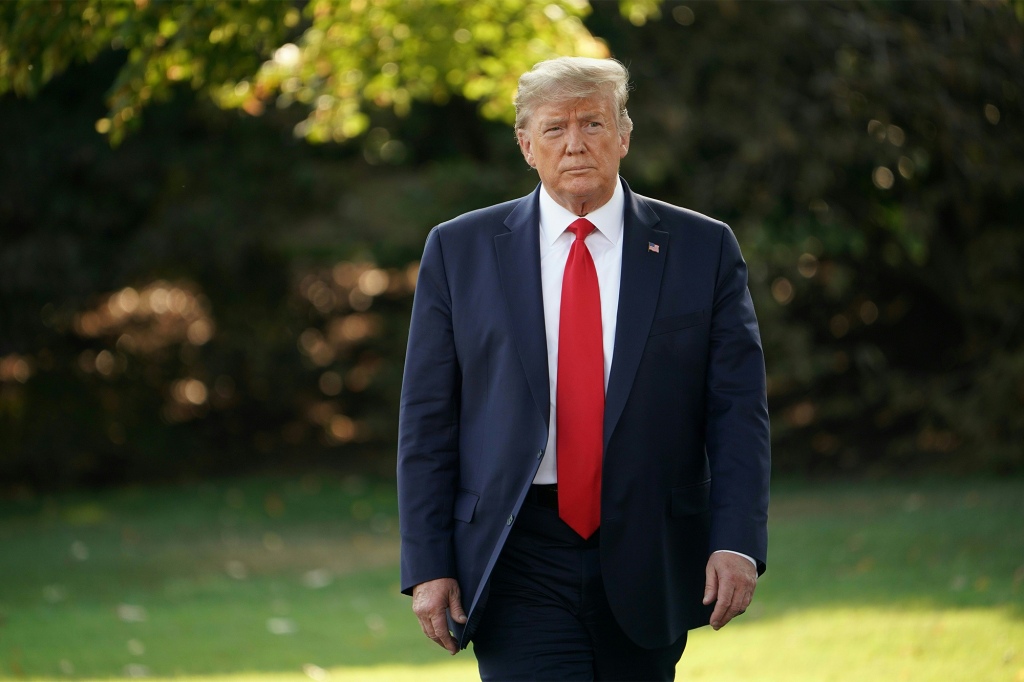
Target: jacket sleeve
[[737, 428], [428, 432]]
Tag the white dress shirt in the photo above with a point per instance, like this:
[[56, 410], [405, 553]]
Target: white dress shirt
[[605, 246]]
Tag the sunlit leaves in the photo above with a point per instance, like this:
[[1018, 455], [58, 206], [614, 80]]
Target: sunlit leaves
[[342, 56], [639, 12], [393, 52], [197, 43]]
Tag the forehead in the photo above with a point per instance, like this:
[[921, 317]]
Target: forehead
[[595, 105]]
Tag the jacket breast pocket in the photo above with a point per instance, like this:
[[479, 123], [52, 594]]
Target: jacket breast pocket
[[465, 505], [674, 323], [691, 499], [672, 337]]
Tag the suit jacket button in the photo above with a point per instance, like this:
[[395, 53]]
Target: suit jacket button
[[511, 518], [540, 453]]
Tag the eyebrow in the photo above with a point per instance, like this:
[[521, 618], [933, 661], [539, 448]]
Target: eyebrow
[[581, 116]]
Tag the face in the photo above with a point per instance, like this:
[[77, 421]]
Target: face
[[575, 147]]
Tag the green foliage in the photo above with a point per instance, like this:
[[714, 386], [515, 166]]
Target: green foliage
[[870, 157], [202, 44], [262, 240], [345, 55]]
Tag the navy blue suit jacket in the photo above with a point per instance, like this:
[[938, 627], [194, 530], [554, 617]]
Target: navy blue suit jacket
[[686, 454]]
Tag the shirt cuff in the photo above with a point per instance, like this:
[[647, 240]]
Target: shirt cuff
[[748, 558]]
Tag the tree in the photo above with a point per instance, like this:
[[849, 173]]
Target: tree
[[273, 344], [340, 56], [868, 155], [871, 158]]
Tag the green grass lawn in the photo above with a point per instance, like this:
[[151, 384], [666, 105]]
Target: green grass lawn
[[297, 579]]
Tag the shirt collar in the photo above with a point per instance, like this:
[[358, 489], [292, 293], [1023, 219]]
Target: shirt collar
[[554, 219]]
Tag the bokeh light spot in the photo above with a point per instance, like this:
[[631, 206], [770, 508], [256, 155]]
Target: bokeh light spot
[[868, 312], [782, 291], [807, 265], [330, 383], [342, 428], [883, 178], [906, 167], [199, 332], [992, 114], [896, 135], [683, 15], [801, 414], [287, 55], [373, 282], [105, 363]]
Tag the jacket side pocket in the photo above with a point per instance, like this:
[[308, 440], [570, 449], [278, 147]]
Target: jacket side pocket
[[691, 499], [465, 505]]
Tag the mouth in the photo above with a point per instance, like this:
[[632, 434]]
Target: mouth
[[578, 169]]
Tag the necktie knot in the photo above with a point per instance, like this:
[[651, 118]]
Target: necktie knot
[[581, 227]]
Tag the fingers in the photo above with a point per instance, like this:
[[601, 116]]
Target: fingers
[[455, 606], [430, 602], [731, 585], [732, 602], [435, 626], [710, 583], [439, 626]]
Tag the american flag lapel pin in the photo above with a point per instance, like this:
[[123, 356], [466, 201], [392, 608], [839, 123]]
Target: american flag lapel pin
[[651, 246]]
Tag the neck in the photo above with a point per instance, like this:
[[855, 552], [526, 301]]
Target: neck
[[581, 206]]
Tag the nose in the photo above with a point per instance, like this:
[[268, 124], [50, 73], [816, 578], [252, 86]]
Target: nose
[[574, 141]]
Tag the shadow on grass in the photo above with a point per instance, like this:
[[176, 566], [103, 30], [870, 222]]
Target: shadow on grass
[[277, 574]]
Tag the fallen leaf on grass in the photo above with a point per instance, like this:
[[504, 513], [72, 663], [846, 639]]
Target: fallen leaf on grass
[[55, 593], [315, 672], [136, 670], [131, 613], [281, 626], [317, 578], [236, 570]]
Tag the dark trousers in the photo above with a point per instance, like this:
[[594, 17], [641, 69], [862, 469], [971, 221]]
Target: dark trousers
[[547, 615]]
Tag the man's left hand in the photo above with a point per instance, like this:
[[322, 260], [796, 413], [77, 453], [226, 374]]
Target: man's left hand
[[731, 580]]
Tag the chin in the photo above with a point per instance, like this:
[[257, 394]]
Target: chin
[[581, 187]]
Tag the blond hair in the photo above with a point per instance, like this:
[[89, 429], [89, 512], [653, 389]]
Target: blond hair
[[571, 78]]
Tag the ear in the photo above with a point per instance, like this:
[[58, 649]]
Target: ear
[[623, 144], [524, 146]]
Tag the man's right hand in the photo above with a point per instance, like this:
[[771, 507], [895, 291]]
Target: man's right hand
[[430, 601]]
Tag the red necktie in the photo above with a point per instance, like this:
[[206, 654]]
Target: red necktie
[[579, 405]]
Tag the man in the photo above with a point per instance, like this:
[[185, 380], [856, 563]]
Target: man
[[583, 444]]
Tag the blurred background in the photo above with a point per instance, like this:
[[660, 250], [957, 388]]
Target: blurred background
[[210, 219]]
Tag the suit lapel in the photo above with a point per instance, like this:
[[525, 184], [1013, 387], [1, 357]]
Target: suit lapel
[[518, 253], [639, 286]]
